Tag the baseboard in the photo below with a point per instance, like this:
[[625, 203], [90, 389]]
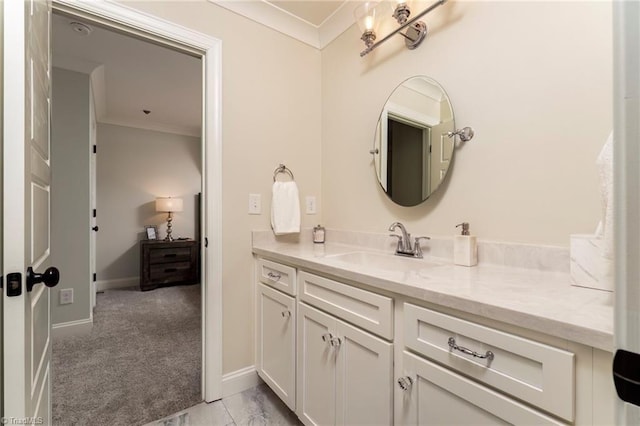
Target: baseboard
[[239, 380], [72, 328], [103, 285]]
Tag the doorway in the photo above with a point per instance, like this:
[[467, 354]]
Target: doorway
[[178, 38]]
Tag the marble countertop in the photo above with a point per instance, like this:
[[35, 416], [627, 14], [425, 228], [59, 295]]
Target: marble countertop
[[533, 299]]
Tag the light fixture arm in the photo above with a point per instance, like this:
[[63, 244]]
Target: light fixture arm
[[413, 22]]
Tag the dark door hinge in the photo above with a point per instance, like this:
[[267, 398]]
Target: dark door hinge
[[95, 212], [95, 277], [95, 149], [206, 242]]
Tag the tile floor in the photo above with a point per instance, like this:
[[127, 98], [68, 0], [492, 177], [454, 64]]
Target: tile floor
[[255, 406]]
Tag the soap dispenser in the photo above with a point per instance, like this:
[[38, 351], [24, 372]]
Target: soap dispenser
[[465, 248]]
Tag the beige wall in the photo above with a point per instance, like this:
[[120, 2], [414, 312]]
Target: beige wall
[[271, 109], [134, 166], [534, 79]]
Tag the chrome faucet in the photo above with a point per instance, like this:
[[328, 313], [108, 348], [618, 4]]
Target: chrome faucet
[[404, 247], [404, 241]]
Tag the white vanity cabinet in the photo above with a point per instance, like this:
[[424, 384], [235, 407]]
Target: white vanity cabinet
[[497, 366], [434, 395], [344, 373], [276, 329], [346, 353]]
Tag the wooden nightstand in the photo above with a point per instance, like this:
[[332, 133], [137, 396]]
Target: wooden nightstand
[[168, 263]]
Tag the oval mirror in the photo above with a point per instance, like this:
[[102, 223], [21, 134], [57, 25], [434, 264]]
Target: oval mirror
[[412, 146]]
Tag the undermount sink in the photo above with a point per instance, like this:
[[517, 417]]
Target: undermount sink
[[382, 261]]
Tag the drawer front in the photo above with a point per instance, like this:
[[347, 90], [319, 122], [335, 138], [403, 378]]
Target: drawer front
[[277, 276], [438, 396], [170, 254], [170, 272], [539, 374], [363, 308]]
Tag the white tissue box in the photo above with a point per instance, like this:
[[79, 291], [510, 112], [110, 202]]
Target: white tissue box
[[588, 267]]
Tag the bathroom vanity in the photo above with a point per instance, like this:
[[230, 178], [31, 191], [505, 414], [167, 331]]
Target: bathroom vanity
[[347, 333]]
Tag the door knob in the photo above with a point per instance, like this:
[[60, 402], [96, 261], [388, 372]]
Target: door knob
[[95, 228], [50, 277]]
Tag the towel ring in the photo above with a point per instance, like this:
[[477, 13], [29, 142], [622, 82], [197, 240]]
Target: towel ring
[[282, 169]]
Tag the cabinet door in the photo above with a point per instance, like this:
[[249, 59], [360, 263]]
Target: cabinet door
[[438, 396], [276, 343], [316, 367], [364, 378]]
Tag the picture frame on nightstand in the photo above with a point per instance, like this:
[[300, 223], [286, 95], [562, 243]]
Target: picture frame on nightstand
[[151, 231]]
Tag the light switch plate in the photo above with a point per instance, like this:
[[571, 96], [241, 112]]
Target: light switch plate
[[310, 202], [66, 296], [255, 204]]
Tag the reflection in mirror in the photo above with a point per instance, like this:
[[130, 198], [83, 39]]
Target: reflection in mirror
[[412, 149]]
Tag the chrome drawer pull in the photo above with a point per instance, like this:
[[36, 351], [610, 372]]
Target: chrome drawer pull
[[273, 276], [327, 337], [405, 383], [452, 344], [286, 314]]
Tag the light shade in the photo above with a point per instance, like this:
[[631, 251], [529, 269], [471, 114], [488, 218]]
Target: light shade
[[366, 18], [168, 204]]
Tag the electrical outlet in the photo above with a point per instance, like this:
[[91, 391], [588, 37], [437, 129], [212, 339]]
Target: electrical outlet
[[255, 204], [66, 296], [311, 204]]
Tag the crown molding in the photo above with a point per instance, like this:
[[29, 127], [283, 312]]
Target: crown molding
[[154, 126], [340, 21], [280, 20]]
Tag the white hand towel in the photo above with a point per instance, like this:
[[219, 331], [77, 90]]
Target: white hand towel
[[285, 208]]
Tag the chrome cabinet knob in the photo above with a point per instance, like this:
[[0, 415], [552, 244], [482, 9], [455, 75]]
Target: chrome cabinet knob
[[335, 342], [405, 383], [327, 337], [286, 314]]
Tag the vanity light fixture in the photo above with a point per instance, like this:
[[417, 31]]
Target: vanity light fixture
[[416, 30]]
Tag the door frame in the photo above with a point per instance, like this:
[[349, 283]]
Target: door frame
[[134, 22]]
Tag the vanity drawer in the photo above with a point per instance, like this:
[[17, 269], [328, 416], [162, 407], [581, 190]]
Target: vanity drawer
[[539, 374], [277, 276], [363, 308]]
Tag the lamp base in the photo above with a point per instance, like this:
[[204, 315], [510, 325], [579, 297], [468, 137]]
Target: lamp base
[[169, 237]]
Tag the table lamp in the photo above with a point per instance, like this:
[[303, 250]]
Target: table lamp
[[169, 205]]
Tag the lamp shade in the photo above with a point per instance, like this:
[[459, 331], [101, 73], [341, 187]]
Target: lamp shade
[[365, 15], [168, 204]]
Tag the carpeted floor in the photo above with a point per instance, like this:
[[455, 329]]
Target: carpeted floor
[[141, 362]]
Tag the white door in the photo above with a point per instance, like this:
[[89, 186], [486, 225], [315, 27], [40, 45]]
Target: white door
[[276, 359], [93, 149], [316, 367], [26, 197], [626, 111], [364, 376]]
